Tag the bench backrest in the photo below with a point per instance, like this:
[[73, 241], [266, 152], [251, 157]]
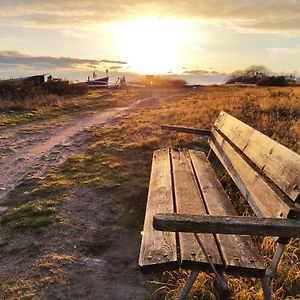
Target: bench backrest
[[267, 173]]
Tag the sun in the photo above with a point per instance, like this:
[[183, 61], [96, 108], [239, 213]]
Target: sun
[[151, 45]]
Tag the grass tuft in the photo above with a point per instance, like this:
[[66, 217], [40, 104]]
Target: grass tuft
[[34, 214]]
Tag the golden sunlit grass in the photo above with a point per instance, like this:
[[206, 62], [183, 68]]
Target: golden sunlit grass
[[50, 106], [274, 111], [18, 94], [54, 260], [118, 161], [19, 288]]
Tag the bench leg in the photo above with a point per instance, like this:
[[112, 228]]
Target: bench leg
[[266, 285], [271, 271], [188, 285], [193, 276], [219, 277]]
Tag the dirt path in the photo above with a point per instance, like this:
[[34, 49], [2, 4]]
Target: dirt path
[[26, 151], [92, 255]]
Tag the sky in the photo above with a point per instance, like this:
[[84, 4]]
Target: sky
[[197, 40]]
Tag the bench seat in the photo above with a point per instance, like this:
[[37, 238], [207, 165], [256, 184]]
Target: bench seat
[[190, 211], [183, 181]]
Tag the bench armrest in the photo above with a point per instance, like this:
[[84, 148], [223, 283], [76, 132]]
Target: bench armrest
[[203, 132], [286, 228]]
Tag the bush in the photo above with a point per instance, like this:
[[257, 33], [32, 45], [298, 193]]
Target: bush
[[258, 75], [265, 81], [272, 81], [16, 90], [22, 89], [249, 75], [64, 88], [22, 94]]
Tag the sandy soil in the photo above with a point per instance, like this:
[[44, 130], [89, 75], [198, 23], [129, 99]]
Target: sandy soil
[[59, 264], [31, 149]]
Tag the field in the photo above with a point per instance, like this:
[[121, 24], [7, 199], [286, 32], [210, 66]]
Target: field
[[89, 208]]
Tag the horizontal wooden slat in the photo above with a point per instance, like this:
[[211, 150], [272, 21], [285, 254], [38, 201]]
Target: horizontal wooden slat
[[278, 162], [227, 225], [264, 201], [186, 129], [189, 201], [238, 252], [159, 249]]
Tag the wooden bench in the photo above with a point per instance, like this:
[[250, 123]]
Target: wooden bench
[[196, 224]]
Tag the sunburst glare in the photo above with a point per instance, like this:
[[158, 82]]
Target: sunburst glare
[[152, 45]]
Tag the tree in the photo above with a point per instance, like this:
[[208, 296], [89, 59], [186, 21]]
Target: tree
[[249, 75]]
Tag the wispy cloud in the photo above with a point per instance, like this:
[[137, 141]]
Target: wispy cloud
[[203, 72], [113, 61], [266, 16], [116, 67], [18, 60], [285, 50]]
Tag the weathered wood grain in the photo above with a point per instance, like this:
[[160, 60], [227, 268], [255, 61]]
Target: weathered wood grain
[[197, 131], [277, 161], [238, 252], [159, 249], [227, 225], [264, 201], [189, 201]]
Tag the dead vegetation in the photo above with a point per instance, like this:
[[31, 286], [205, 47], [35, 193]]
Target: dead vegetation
[[273, 111], [117, 163], [21, 94], [50, 106]]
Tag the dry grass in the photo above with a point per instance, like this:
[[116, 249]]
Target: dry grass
[[273, 111], [18, 288], [20, 94], [51, 106], [118, 161]]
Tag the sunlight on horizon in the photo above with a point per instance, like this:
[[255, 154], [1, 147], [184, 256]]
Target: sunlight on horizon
[[151, 45]]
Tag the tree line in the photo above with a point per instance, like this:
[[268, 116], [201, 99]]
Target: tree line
[[260, 75]]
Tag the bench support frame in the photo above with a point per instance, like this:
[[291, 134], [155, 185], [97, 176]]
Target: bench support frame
[[271, 271], [193, 276], [188, 285], [231, 141], [265, 281]]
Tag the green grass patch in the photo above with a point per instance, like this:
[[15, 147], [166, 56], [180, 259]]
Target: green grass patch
[[34, 214]]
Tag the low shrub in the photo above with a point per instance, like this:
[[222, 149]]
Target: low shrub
[[65, 88], [272, 81], [16, 90], [22, 94]]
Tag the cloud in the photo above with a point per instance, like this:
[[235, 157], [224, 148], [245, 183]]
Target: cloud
[[15, 59], [285, 50], [10, 53], [113, 61], [203, 72], [255, 15], [115, 67]]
